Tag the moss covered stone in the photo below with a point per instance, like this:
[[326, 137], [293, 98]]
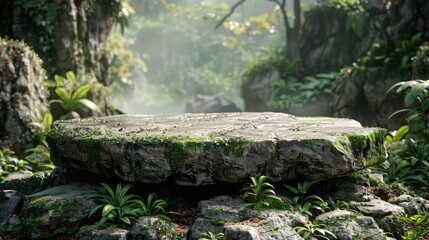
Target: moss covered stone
[[55, 211], [195, 149]]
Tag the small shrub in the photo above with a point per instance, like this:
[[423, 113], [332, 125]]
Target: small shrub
[[117, 206], [306, 203], [257, 193], [72, 97], [211, 236], [153, 207], [314, 230], [420, 224]]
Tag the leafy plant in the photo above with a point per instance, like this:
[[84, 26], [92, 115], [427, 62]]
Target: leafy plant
[[40, 158], [397, 135], [315, 230], [420, 224], [339, 204], [70, 96], [44, 124], [21, 165], [402, 170], [6, 159], [211, 236], [408, 159], [10, 163], [258, 192], [305, 203], [301, 190], [315, 88], [417, 102], [117, 206], [153, 207], [304, 208]]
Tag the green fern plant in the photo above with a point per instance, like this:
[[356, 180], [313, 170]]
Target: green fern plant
[[257, 193], [306, 203], [420, 224], [211, 236], [40, 158], [314, 230], [117, 206], [10, 163], [153, 207], [71, 97]]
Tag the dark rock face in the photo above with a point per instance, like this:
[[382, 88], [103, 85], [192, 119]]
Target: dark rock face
[[200, 149], [327, 43], [22, 95], [360, 93], [363, 98], [259, 91], [10, 202]]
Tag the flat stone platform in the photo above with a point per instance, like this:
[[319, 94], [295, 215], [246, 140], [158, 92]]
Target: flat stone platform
[[201, 149]]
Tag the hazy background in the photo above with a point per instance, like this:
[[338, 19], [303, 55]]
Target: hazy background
[[183, 55]]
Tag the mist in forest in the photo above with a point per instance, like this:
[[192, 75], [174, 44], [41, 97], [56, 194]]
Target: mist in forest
[[183, 55]]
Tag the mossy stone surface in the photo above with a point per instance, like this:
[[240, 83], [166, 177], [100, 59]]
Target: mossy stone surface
[[201, 149], [55, 211]]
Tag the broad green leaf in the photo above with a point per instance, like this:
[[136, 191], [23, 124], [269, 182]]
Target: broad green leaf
[[71, 77], [47, 121], [125, 220], [107, 209], [89, 104], [59, 80], [415, 91], [81, 92], [63, 94]]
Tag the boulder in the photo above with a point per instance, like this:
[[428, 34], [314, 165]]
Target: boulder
[[23, 182], [22, 96], [348, 191], [211, 104], [230, 215], [346, 225], [154, 228], [59, 210], [202, 225], [361, 96], [101, 233], [411, 204], [275, 226], [386, 215], [259, 90], [201, 149], [10, 203]]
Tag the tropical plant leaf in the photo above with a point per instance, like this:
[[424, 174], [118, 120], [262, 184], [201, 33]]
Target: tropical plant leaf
[[81, 92], [89, 104], [63, 94], [71, 77]]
